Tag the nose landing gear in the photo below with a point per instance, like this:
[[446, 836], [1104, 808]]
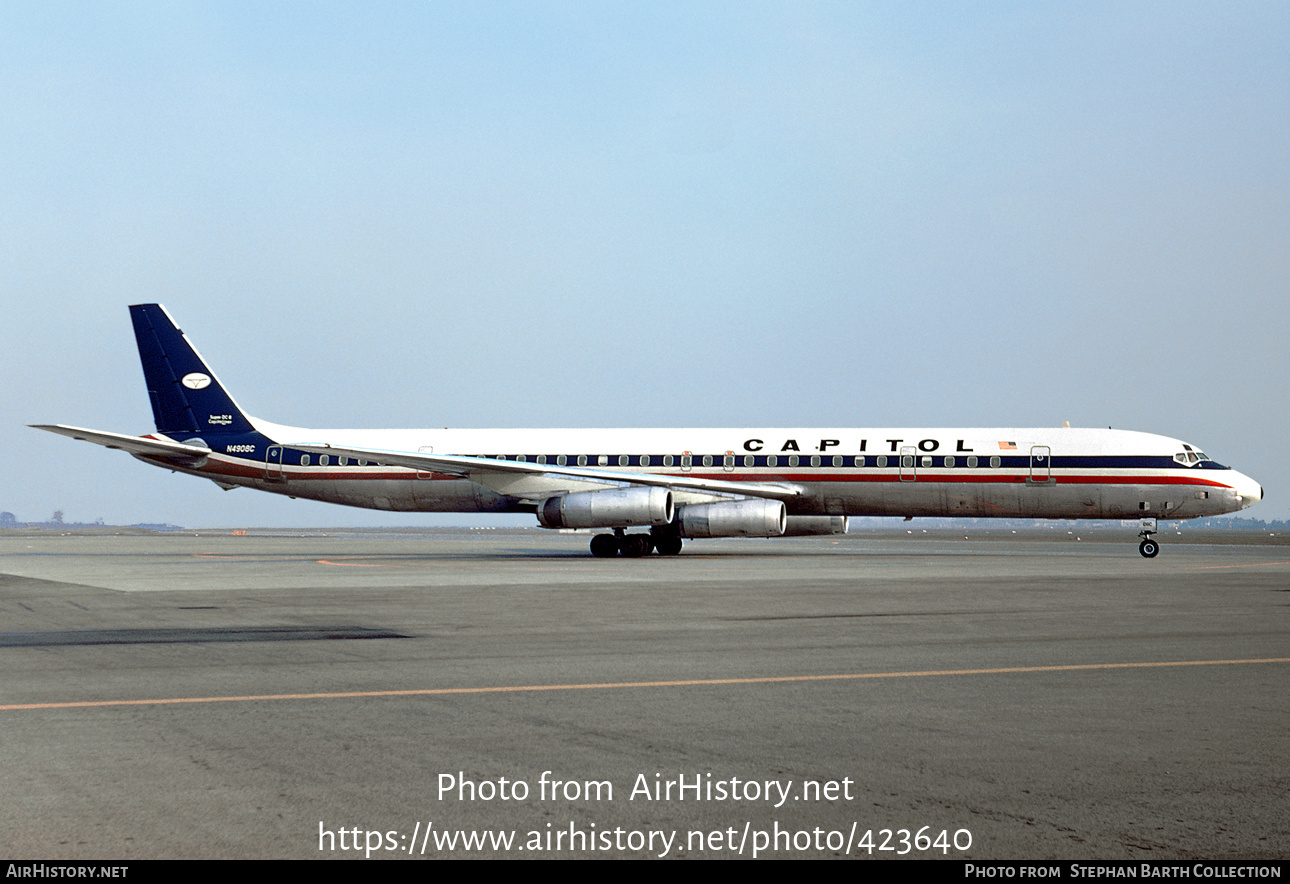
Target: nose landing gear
[[1148, 547]]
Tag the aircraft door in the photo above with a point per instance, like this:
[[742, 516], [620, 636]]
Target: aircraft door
[[908, 463], [273, 464], [1041, 462], [425, 449]]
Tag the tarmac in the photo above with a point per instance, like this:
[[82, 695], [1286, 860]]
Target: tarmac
[[502, 693]]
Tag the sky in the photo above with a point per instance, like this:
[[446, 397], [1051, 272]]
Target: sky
[[640, 214]]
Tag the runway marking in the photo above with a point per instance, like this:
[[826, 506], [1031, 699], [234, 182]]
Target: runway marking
[[342, 562], [526, 566], [1219, 567], [448, 565], [696, 682]]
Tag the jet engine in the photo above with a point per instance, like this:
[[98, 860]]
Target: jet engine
[[624, 508], [734, 518], [802, 526]]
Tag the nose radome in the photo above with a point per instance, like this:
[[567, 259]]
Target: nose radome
[[1251, 492]]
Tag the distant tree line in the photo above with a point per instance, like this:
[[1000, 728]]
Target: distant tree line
[[9, 520]]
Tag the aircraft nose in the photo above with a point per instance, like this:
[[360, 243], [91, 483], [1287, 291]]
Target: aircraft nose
[[1250, 492]]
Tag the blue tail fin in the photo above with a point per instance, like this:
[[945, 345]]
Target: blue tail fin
[[186, 396]]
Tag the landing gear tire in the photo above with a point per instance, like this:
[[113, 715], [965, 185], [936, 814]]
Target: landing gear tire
[[1149, 549], [634, 546], [604, 546], [667, 545]]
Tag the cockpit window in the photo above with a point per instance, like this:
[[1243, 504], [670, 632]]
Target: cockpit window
[[1190, 456]]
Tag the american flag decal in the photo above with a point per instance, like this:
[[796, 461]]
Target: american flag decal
[[1008, 446]]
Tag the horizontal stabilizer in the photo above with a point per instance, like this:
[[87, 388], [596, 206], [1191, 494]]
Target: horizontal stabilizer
[[133, 444]]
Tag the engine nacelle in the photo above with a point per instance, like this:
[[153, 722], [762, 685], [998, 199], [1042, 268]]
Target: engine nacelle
[[734, 518], [802, 526], [624, 508]]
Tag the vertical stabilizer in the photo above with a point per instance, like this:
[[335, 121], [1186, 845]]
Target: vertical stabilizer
[[186, 396]]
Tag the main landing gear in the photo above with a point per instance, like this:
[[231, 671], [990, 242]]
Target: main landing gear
[[664, 541], [1148, 547]]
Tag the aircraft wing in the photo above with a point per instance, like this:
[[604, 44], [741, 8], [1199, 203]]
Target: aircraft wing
[[488, 471], [133, 444]]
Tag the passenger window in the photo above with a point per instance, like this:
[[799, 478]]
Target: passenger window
[[541, 458], [324, 460], [707, 460], [561, 460], [667, 460], [772, 461], [815, 460], [860, 461], [882, 460], [792, 460], [304, 460], [582, 460], [749, 460], [972, 461], [837, 460], [995, 461], [949, 461], [624, 460], [927, 461]]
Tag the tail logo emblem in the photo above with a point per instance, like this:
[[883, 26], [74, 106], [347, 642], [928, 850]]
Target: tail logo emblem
[[196, 381]]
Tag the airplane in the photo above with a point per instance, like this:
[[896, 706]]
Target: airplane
[[677, 484]]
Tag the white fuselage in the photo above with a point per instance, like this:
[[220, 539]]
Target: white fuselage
[[1032, 473]]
